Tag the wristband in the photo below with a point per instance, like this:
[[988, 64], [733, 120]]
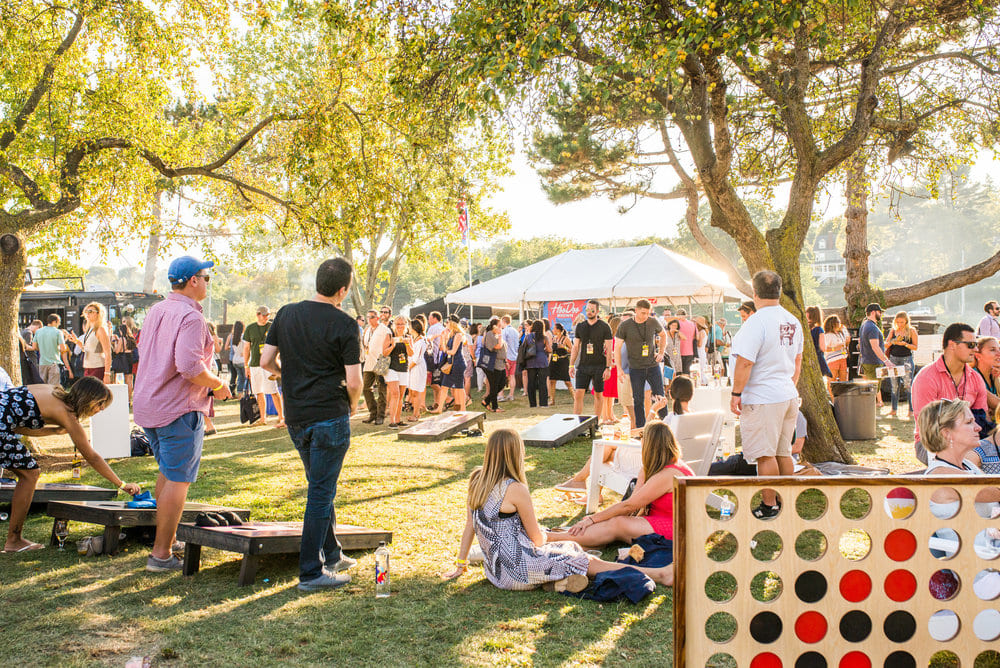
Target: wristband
[[221, 385], [461, 562], [736, 394], [121, 487]]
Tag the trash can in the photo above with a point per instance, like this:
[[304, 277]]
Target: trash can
[[854, 409]]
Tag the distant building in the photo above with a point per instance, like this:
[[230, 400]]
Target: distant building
[[829, 267]]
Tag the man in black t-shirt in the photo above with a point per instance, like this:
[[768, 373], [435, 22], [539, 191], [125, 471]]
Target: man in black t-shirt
[[645, 341], [321, 379], [592, 349]]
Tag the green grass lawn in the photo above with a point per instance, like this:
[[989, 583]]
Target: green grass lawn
[[57, 607]]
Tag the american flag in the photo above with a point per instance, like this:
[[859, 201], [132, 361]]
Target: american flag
[[463, 220]]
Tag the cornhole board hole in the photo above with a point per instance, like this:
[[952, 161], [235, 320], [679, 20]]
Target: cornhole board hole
[[258, 538], [113, 515], [443, 426], [59, 491], [559, 429], [852, 572]]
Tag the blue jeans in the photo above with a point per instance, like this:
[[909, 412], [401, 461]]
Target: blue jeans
[[905, 381], [241, 378], [639, 378], [322, 446]]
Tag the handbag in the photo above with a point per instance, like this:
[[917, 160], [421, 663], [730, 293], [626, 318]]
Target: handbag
[[487, 359], [446, 367], [382, 365], [249, 409]]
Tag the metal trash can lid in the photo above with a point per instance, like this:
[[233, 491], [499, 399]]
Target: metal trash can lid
[[852, 387]]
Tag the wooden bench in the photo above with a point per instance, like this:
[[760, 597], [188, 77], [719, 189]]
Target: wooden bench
[[258, 538], [559, 429], [59, 491], [113, 515], [443, 426]]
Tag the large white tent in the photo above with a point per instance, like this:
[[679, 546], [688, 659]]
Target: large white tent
[[617, 276]]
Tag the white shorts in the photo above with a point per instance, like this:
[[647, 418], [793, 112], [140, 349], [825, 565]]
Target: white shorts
[[400, 377], [417, 381], [766, 430], [260, 381]]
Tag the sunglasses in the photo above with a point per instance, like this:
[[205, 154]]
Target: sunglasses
[[971, 345], [204, 277]]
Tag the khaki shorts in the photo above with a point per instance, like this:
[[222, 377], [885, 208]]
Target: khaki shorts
[[624, 388], [868, 371], [767, 429], [260, 381]]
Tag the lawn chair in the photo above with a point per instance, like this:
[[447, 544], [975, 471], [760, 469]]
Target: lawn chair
[[698, 436]]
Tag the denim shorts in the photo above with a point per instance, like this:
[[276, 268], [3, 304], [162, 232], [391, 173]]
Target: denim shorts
[[177, 446]]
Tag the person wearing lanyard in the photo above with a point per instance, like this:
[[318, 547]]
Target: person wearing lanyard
[[949, 377], [647, 343]]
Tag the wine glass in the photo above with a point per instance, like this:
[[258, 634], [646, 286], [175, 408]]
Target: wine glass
[[61, 531]]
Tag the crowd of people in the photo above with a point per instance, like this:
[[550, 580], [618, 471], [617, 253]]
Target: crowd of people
[[651, 363]]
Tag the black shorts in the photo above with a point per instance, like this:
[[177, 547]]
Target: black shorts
[[585, 375]]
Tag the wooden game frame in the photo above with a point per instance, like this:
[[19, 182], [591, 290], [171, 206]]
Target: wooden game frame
[[692, 607]]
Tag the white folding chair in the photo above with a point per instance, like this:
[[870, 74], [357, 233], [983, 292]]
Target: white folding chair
[[623, 469], [698, 436]]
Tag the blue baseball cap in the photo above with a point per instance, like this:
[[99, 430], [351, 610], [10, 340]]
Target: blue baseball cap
[[185, 267]]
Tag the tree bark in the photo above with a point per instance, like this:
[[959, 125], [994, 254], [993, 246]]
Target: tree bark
[[149, 279], [858, 290], [953, 281], [13, 262]]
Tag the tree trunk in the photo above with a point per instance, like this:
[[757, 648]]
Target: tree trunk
[[824, 443], [13, 262], [149, 280], [858, 291]]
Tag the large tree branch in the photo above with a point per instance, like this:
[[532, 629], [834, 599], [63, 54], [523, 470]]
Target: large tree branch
[[41, 86], [947, 55], [935, 286]]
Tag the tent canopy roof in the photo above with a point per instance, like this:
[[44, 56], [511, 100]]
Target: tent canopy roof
[[621, 274]]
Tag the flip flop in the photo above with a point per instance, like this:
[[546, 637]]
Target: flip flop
[[26, 548]]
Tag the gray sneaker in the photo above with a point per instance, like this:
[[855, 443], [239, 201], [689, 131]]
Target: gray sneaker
[[343, 564], [155, 565], [327, 580]]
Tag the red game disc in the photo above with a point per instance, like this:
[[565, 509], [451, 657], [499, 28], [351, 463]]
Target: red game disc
[[855, 586], [766, 660], [810, 627], [900, 545], [855, 660], [900, 585]]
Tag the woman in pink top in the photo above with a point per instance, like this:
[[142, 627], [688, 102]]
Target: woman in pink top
[[653, 497]]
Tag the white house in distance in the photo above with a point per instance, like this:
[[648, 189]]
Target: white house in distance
[[829, 266]]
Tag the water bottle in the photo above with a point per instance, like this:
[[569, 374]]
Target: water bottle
[[626, 427], [382, 571], [694, 376]]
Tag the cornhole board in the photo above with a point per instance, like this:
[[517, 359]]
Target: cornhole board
[[60, 491], [258, 538], [443, 426], [851, 572], [559, 429], [113, 515]]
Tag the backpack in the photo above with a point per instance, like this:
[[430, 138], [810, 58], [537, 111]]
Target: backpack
[[140, 443]]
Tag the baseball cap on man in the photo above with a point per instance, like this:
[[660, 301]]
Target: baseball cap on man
[[184, 267], [871, 308], [263, 310]]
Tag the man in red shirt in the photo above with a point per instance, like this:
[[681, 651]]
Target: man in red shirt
[[950, 378]]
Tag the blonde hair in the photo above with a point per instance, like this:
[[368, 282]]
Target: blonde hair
[[102, 315], [983, 340], [504, 458], [403, 319], [659, 448], [902, 315], [937, 416], [87, 396], [832, 324]]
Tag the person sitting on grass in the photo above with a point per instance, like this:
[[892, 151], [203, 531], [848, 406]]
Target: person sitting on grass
[[681, 391], [25, 410], [653, 497], [518, 556]]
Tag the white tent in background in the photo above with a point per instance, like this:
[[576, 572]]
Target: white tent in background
[[616, 276]]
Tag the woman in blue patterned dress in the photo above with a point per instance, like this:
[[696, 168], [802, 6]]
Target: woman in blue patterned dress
[[25, 410], [502, 517]]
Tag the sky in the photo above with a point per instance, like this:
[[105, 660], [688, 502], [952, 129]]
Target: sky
[[531, 214]]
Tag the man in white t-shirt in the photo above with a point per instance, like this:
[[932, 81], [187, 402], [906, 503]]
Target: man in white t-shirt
[[769, 350], [372, 343]]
